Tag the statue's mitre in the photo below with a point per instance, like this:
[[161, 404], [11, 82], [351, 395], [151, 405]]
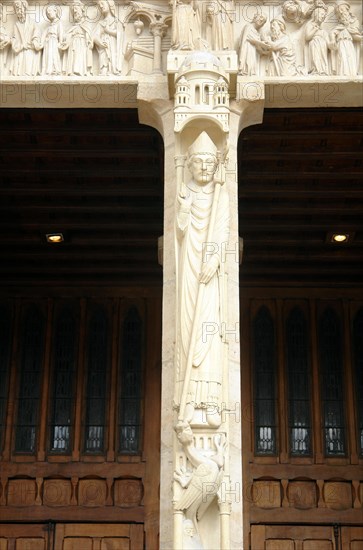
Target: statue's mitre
[[203, 144]]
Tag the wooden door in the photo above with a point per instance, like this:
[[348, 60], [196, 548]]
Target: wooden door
[[25, 537], [80, 536], [292, 537], [352, 538]]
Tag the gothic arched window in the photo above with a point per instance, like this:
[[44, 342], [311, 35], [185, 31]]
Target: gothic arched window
[[298, 371], [63, 381], [264, 363], [331, 382], [30, 373], [130, 394], [96, 384]]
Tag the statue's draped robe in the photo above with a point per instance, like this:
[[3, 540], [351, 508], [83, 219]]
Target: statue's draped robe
[[4, 51], [347, 50], [111, 57], [78, 56], [283, 58], [26, 60], [249, 58], [186, 27], [222, 25], [53, 36], [317, 62], [192, 235]]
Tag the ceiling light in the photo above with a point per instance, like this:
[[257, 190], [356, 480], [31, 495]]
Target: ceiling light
[[340, 237], [54, 238]]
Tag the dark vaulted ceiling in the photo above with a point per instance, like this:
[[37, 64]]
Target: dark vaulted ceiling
[[97, 176]]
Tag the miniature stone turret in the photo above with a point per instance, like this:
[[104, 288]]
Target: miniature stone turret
[[201, 84]]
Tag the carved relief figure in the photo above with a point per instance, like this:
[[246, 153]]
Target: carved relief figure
[[346, 41], [317, 39], [26, 43], [5, 42], [108, 39], [191, 539], [250, 48], [296, 11], [201, 484], [51, 40], [186, 25], [201, 236], [282, 53], [78, 45], [220, 17]]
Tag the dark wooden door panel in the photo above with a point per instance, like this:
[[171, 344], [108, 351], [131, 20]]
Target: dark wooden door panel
[[292, 537], [99, 537], [25, 537], [72, 536], [352, 538]]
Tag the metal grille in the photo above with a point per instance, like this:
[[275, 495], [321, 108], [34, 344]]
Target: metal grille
[[298, 370], [330, 352], [264, 382], [358, 363], [63, 382], [32, 349], [131, 384], [5, 343], [98, 362]]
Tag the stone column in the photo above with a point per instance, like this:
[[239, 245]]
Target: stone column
[[206, 415], [158, 30], [201, 489]]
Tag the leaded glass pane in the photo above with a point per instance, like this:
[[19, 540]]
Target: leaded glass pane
[[98, 360], [32, 349], [298, 371], [63, 382], [264, 382], [331, 364], [131, 384], [5, 349], [358, 364]]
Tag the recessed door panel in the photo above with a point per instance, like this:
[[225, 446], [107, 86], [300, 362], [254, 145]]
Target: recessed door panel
[[78, 536], [352, 538], [24, 536], [292, 537]]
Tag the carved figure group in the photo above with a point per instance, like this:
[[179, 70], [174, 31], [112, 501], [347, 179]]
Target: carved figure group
[[203, 25], [277, 46], [305, 37], [324, 52], [32, 49]]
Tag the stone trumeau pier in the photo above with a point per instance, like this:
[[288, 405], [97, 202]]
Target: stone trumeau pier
[[199, 72]]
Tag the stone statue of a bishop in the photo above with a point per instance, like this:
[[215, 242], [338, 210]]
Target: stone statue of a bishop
[[201, 238]]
